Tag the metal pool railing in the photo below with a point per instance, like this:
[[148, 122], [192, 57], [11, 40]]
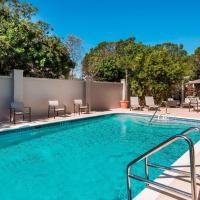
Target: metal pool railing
[[154, 114], [145, 157]]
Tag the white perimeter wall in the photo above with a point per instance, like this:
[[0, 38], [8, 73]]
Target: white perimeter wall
[[5, 96], [105, 95], [37, 91]]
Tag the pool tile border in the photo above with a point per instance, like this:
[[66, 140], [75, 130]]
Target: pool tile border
[[36, 124]]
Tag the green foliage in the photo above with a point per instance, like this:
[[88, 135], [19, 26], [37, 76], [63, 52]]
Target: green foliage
[[195, 59], [102, 63], [30, 46], [152, 70], [174, 50], [158, 76]]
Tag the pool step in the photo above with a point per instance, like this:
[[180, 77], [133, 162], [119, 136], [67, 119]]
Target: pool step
[[175, 180]]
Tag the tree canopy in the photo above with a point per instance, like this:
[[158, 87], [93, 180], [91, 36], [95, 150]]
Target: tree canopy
[[152, 70], [101, 63], [30, 46], [195, 60]]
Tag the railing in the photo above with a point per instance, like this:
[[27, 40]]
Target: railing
[[145, 156], [154, 114], [162, 116]]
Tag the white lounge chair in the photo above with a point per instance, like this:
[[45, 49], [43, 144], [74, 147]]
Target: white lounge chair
[[56, 107], [149, 100], [78, 104], [134, 104], [18, 108]]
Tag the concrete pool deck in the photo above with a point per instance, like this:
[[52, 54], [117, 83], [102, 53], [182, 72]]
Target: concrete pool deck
[[167, 178], [173, 112]]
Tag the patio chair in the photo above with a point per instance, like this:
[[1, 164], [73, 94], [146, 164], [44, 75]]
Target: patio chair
[[172, 103], [18, 109], [56, 108], [149, 100], [134, 104], [78, 104], [186, 104], [194, 103]]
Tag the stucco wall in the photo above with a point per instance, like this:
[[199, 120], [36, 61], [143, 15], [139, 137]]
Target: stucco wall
[[105, 95], [5, 96], [38, 91], [35, 92]]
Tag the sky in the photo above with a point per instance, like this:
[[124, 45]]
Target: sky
[[149, 21]]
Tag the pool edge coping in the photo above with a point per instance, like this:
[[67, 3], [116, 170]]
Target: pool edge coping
[[79, 117]]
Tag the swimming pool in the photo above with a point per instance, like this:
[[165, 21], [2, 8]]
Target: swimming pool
[[83, 159]]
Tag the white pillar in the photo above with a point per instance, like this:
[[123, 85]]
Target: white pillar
[[88, 93], [182, 93], [124, 89], [18, 85]]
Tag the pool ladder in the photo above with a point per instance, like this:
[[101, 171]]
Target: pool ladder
[[157, 109], [192, 174]]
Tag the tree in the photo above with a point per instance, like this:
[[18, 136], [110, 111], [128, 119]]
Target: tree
[[174, 50], [75, 49], [125, 53], [195, 59], [101, 63], [158, 76], [30, 46], [152, 70], [125, 56], [179, 55]]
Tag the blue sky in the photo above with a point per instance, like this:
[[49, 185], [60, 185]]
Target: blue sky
[[150, 21]]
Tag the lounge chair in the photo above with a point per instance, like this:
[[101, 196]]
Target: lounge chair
[[134, 104], [56, 108], [149, 100], [78, 104], [18, 109]]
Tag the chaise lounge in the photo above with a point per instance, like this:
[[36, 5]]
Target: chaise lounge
[[149, 100], [134, 104]]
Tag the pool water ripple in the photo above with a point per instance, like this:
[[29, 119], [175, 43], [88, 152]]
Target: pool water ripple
[[83, 159]]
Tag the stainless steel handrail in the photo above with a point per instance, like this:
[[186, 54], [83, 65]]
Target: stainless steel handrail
[[156, 149], [154, 114], [171, 169]]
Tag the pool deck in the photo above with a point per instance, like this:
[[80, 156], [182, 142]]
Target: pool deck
[[173, 112], [168, 178]]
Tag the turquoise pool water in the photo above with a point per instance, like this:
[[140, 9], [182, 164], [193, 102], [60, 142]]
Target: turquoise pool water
[[83, 159]]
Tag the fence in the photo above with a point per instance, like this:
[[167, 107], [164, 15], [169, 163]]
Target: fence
[[36, 92]]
